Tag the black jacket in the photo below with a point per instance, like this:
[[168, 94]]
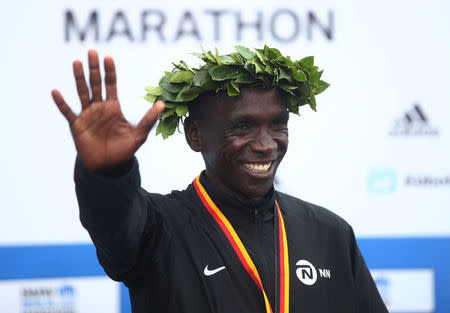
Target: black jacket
[[160, 245]]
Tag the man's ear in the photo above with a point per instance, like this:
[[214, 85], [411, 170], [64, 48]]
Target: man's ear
[[193, 134]]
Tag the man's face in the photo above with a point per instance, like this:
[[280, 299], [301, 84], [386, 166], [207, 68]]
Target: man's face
[[244, 140]]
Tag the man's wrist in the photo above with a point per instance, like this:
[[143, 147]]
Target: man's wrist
[[116, 171]]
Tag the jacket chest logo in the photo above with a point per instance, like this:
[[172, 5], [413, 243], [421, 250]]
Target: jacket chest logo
[[209, 272], [307, 273]]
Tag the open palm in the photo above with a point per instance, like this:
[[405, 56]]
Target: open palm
[[102, 136]]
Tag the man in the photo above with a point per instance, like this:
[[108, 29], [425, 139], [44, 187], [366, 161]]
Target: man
[[229, 242]]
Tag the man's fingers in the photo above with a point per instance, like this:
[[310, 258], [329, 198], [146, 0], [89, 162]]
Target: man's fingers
[[63, 107], [82, 88], [149, 119], [110, 78], [94, 76]]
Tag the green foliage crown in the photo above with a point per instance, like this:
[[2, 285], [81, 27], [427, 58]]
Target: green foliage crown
[[298, 81]]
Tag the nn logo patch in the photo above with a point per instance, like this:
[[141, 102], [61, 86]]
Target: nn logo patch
[[307, 273]]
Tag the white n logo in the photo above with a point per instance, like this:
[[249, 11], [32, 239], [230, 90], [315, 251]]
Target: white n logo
[[306, 272]]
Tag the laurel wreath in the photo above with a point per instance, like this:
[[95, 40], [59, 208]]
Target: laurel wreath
[[298, 81]]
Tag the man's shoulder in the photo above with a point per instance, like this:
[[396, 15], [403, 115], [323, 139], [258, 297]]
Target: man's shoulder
[[310, 213], [176, 202]]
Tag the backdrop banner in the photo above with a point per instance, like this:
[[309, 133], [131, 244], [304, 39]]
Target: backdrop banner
[[376, 151]]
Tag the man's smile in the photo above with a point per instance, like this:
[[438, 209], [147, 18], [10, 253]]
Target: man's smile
[[258, 168]]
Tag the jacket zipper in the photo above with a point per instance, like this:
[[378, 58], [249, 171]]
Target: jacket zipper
[[264, 268]]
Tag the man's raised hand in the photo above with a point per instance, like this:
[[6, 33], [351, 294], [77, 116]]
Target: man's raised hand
[[103, 137]]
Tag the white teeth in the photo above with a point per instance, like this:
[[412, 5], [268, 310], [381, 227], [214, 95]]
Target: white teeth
[[257, 168]]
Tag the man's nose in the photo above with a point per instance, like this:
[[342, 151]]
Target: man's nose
[[263, 142]]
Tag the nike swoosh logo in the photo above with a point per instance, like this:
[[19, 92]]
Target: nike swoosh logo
[[208, 272]]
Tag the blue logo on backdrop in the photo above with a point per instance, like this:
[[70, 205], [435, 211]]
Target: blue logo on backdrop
[[382, 181], [48, 299], [67, 291], [383, 286]]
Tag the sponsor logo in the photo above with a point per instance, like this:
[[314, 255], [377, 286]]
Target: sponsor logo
[[307, 273], [59, 295], [382, 181], [385, 181], [209, 272], [427, 181], [414, 123], [383, 286], [406, 290], [48, 299]]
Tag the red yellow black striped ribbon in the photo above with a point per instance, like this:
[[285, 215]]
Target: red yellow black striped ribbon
[[242, 253]]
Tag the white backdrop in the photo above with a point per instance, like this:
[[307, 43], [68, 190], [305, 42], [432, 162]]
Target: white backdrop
[[381, 57], [376, 152]]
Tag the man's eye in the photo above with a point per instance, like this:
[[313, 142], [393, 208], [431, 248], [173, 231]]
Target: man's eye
[[279, 124], [241, 126]]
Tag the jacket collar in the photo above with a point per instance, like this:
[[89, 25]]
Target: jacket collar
[[237, 210]]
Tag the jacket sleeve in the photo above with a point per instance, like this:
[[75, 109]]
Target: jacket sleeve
[[368, 299], [119, 216]]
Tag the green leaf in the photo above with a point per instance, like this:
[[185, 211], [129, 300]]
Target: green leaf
[[226, 59], [264, 80], [276, 75], [314, 78], [291, 103], [159, 128], [322, 86], [284, 61], [312, 102], [245, 52], [320, 74], [217, 57], [182, 110], [150, 98], [245, 78], [182, 66], [182, 77], [288, 88], [304, 90], [169, 96], [170, 105], [259, 67], [261, 57], [269, 69], [238, 58], [284, 74], [167, 85], [223, 72], [198, 55], [203, 79], [271, 53], [250, 68], [186, 94], [233, 88], [154, 90], [167, 113], [208, 55], [299, 76], [169, 126], [307, 62]]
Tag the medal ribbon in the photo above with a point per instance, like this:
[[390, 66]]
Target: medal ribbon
[[242, 253]]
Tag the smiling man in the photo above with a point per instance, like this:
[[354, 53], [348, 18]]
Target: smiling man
[[242, 140], [229, 242]]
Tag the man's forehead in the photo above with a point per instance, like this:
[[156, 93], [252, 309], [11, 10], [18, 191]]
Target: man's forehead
[[255, 101]]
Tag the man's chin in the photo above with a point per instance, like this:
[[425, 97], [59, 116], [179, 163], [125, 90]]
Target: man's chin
[[256, 191]]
